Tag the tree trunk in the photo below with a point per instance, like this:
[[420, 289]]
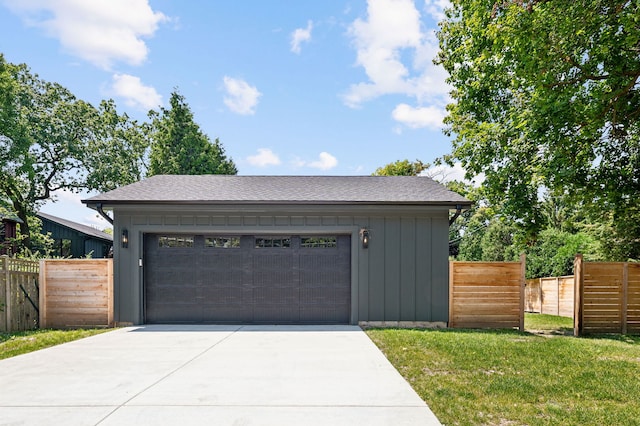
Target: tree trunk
[[25, 231]]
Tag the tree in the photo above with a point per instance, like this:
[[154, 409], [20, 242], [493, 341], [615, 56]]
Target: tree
[[470, 225], [117, 155], [402, 168], [179, 146], [554, 252], [547, 99], [50, 141]]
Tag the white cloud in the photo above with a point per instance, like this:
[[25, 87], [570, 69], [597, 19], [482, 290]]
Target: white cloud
[[135, 93], [447, 173], [99, 31], [415, 118], [396, 51], [325, 161], [241, 97], [436, 8], [392, 25], [265, 157], [300, 35]]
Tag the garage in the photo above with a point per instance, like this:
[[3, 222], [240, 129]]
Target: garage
[[275, 279], [281, 249]]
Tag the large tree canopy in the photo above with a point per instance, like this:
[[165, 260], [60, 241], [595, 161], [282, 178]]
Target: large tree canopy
[[50, 141], [547, 99], [179, 147]]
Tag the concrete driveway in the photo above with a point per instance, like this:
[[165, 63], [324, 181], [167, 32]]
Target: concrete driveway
[[210, 375]]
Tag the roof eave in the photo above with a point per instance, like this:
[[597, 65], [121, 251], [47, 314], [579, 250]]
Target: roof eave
[[106, 203]]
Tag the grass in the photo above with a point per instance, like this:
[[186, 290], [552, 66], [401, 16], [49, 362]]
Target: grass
[[18, 343], [472, 377], [548, 323]]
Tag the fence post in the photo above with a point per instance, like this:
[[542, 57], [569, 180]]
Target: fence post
[[578, 294], [558, 293], [110, 312], [625, 298], [523, 281], [42, 296], [8, 301], [451, 286]]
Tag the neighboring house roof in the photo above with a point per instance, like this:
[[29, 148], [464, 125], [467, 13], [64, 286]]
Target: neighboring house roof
[[87, 230], [219, 189], [10, 218]]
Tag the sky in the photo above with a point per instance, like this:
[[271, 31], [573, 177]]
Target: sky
[[290, 87]]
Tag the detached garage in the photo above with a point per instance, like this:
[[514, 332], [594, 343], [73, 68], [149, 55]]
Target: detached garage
[[280, 249]]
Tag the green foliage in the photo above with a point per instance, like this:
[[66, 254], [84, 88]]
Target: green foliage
[[614, 244], [554, 252], [49, 141], [402, 168], [480, 233], [116, 156], [498, 242], [180, 147], [546, 97], [41, 244], [470, 246]]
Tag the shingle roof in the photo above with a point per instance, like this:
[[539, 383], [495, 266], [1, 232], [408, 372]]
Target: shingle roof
[[76, 226], [10, 217], [217, 189]]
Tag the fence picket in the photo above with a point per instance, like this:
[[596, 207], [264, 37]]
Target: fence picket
[[18, 293]]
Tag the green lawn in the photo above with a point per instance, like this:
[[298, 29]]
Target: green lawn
[[511, 378], [12, 344], [548, 323]]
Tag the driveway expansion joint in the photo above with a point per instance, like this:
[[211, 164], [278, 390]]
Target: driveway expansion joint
[[172, 372]]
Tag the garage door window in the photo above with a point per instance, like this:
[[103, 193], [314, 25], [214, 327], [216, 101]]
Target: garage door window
[[175, 241], [319, 242], [273, 242], [222, 242]]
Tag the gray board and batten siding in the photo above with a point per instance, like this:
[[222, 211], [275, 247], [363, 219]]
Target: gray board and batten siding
[[401, 276]]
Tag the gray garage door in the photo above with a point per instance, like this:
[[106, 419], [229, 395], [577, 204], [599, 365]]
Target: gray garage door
[[247, 279]]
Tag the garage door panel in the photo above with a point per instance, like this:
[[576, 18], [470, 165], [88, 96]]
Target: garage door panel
[[222, 295], [247, 279], [222, 279], [174, 312], [176, 293], [228, 313], [271, 314], [327, 314], [276, 296]]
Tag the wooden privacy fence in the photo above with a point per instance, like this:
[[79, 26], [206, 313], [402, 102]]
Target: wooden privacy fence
[[550, 295], [18, 294], [607, 297], [486, 294], [76, 293]]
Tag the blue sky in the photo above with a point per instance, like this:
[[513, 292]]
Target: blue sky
[[295, 87]]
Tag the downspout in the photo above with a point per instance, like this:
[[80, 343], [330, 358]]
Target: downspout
[[108, 219], [455, 216]]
